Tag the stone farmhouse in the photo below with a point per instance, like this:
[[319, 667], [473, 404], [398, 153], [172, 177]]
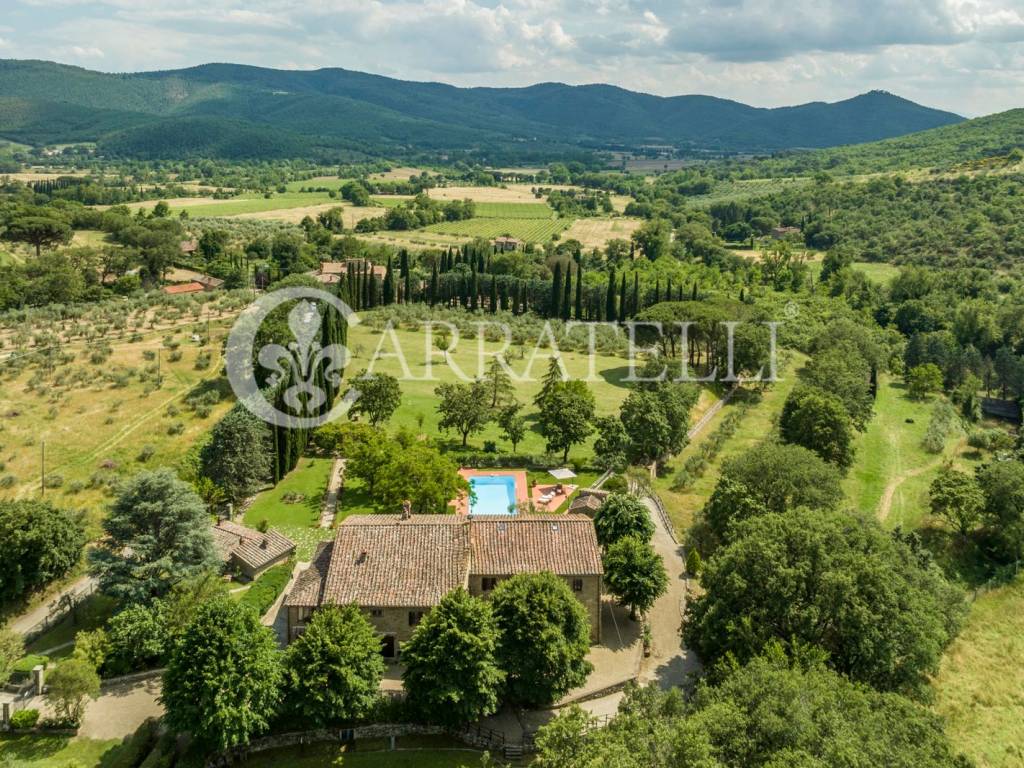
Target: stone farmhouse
[[398, 567], [248, 551]]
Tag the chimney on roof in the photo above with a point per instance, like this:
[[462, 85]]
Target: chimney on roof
[[406, 509], [362, 557], [263, 544]]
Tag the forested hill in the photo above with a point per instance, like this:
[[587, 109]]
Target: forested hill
[[992, 142], [195, 111]]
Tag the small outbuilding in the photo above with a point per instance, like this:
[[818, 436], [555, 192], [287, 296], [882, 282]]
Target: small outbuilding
[[249, 551]]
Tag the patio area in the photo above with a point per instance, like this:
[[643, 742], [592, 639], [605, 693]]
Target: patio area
[[548, 497]]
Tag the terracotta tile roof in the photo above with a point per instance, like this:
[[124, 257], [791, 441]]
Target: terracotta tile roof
[[385, 561], [249, 546], [308, 588], [184, 288], [562, 544]]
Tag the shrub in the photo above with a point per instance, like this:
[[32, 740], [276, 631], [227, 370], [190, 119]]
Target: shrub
[[146, 453], [24, 718], [266, 589], [176, 428], [693, 562]]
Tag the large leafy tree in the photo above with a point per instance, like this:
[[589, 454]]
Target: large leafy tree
[[238, 457], [635, 574], [770, 477], [956, 497], [1002, 482], [224, 678], [843, 371], [567, 415], [621, 515], [451, 670], [157, 533], [768, 714], [830, 580], [333, 671], [379, 396], [545, 636], [421, 474], [818, 421], [39, 232], [38, 543], [465, 408]]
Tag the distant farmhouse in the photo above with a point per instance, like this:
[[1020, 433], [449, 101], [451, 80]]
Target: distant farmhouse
[[330, 272], [398, 567], [506, 243], [248, 551]]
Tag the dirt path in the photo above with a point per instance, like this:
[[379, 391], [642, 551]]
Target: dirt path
[[885, 503]]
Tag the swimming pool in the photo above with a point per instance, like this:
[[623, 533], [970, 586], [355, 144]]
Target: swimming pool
[[495, 495]]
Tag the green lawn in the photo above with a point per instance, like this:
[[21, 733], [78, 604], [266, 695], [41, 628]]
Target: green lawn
[[980, 685], [418, 410], [34, 751], [334, 755], [298, 520], [877, 272]]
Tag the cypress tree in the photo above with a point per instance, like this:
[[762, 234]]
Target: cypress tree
[[567, 296], [657, 290], [389, 284], [609, 300], [407, 289], [556, 291], [475, 291], [623, 306], [668, 289], [494, 295], [694, 296], [635, 307], [433, 284], [680, 292], [579, 286]]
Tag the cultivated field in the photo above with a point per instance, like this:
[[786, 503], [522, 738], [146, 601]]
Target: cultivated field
[[530, 230], [513, 193], [595, 233], [101, 417], [350, 214]]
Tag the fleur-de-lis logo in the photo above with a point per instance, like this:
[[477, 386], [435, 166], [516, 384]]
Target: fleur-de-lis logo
[[304, 366], [303, 357]]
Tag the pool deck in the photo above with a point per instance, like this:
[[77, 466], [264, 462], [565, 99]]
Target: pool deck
[[561, 492], [522, 493]]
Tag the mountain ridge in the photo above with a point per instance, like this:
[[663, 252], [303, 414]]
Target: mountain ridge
[[340, 108]]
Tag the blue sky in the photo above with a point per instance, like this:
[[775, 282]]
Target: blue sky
[[963, 55]]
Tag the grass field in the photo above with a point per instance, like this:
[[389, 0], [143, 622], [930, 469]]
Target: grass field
[[877, 272], [243, 203], [596, 232], [891, 472], [418, 410], [980, 686]]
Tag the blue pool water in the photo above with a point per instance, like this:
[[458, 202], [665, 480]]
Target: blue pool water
[[495, 495]]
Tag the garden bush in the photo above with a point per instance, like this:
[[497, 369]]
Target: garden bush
[[266, 589], [24, 718]]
